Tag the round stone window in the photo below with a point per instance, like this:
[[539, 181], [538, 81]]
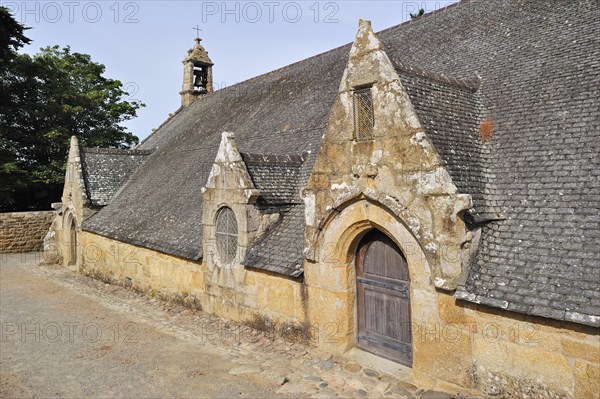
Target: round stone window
[[226, 235]]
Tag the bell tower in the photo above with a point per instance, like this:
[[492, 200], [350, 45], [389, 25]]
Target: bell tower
[[197, 74]]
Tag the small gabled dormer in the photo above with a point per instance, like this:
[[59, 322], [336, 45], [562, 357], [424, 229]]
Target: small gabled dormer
[[197, 74]]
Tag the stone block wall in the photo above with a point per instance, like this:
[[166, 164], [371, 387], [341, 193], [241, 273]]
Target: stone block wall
[[255, 298], [457, 346], [520, 356], [24, 231]]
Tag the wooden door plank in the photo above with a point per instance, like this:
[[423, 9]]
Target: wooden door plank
[[383, 299]]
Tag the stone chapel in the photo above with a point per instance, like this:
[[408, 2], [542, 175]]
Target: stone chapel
[[427, 193]]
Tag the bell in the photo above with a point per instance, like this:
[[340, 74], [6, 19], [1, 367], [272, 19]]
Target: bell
[[198, 81]]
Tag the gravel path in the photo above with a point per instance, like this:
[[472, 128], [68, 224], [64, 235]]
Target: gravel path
[[66, 344], [69, 336]]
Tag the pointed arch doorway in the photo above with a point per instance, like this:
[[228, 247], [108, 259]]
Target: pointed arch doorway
[[72, 242], [383, 299]]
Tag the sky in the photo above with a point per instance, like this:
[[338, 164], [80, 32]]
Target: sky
[[142, 43]]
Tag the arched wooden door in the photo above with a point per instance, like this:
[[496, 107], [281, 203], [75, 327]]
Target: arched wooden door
[[383, 299]]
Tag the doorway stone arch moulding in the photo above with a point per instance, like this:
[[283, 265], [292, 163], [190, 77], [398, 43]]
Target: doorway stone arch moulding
[[388, 202], [445, 257], [339, 231], [331, 276], [401, 225]]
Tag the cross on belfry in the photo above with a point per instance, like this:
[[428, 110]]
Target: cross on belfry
[[197, 29]]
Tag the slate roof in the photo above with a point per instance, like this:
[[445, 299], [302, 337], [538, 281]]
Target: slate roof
[[161, 207], [276, 176], [279, 178], [450, 111], [539, 76], [267, 253], [106, 169]]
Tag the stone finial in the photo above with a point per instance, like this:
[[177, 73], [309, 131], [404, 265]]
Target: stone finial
[[231, 167], [368, 63], [228, 151], [365, 40]]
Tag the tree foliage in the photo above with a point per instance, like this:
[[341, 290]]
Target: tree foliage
[[47, 98], [418, 14], [11, 36]]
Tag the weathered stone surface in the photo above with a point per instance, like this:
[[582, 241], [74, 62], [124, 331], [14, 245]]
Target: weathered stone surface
[[436, 395], [515, 370], [589, 351], [587, 380], [443, 351], [353, 367], [450, 311], [24, 231], [327, 365], [371, 373], [196, 286], [245, 370]]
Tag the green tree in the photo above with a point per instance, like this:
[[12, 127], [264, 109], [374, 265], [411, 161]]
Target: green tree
[[421, 12], [12, 38], [11, 35], [47, 98]]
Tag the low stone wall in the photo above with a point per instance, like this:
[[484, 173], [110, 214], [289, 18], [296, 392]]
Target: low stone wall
[[253, 298], [512, 355], [24, 231]]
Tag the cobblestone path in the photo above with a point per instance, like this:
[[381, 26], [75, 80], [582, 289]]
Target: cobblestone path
[[67, 335]]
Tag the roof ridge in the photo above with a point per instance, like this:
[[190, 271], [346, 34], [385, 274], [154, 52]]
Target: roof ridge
[[114, 151], [280, 68], [254, 78], [391, 28], [425, 16]]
